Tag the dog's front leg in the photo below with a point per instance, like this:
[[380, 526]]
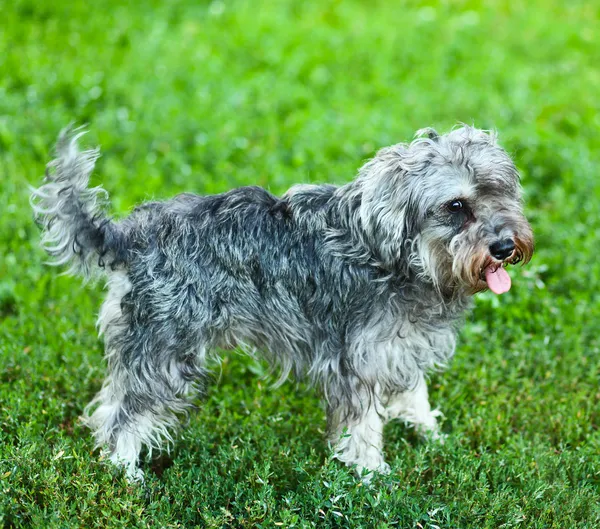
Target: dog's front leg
[[356, 433], [413, 407]]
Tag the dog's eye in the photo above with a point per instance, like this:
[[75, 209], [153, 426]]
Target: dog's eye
[[455, 206]]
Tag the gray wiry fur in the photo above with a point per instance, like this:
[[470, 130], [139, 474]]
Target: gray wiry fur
[[358, 287]]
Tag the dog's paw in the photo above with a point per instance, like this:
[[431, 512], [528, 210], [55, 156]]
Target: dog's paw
[[135, 475], [367, 474], [429, 429], [436, 437]]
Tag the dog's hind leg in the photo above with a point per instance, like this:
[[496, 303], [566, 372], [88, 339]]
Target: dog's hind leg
[[413, 407], [140, 402], [150, 376]]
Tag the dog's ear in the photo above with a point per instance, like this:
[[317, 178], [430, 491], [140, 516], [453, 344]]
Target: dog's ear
[[387, 212]]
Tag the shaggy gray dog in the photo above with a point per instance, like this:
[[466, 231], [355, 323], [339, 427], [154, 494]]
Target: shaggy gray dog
[[358, 287]]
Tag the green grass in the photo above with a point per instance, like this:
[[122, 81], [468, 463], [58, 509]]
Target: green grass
[[194, 96]]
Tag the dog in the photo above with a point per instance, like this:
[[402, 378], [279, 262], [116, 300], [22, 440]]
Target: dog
[[360, 287]]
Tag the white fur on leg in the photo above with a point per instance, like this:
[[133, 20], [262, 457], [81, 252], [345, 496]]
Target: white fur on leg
[[125, 456], [360, 443], [413, 407], [122, 443], [123, 452]]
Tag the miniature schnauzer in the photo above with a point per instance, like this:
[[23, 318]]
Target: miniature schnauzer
[[359, 287]]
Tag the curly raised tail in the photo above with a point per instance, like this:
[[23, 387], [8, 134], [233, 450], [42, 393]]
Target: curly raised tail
[[76, 229]]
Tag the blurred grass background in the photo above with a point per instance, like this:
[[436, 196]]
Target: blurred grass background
[[204, 96]]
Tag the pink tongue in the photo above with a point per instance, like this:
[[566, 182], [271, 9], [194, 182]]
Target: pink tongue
[[498, 280]]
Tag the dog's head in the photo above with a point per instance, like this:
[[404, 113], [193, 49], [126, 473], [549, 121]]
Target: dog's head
[[449, 206]]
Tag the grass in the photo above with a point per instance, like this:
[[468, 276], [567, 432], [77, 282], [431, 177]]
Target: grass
[[196, 96]]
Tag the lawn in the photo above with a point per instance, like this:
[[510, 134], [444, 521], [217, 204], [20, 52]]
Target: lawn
[[188, 95]]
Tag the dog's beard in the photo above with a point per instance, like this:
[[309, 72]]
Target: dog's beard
[[477, 270], [464, 267]]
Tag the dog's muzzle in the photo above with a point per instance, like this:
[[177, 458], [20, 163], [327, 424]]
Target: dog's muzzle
[[494, 274]]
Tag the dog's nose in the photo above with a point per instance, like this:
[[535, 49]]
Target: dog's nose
[[502, 249]]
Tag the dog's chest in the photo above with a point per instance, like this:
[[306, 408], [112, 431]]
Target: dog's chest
[[395, 349]]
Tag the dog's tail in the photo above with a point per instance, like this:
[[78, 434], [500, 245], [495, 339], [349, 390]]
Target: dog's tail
[[75, 228]]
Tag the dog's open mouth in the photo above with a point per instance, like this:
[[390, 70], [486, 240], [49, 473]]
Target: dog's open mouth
[[497, 278]]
